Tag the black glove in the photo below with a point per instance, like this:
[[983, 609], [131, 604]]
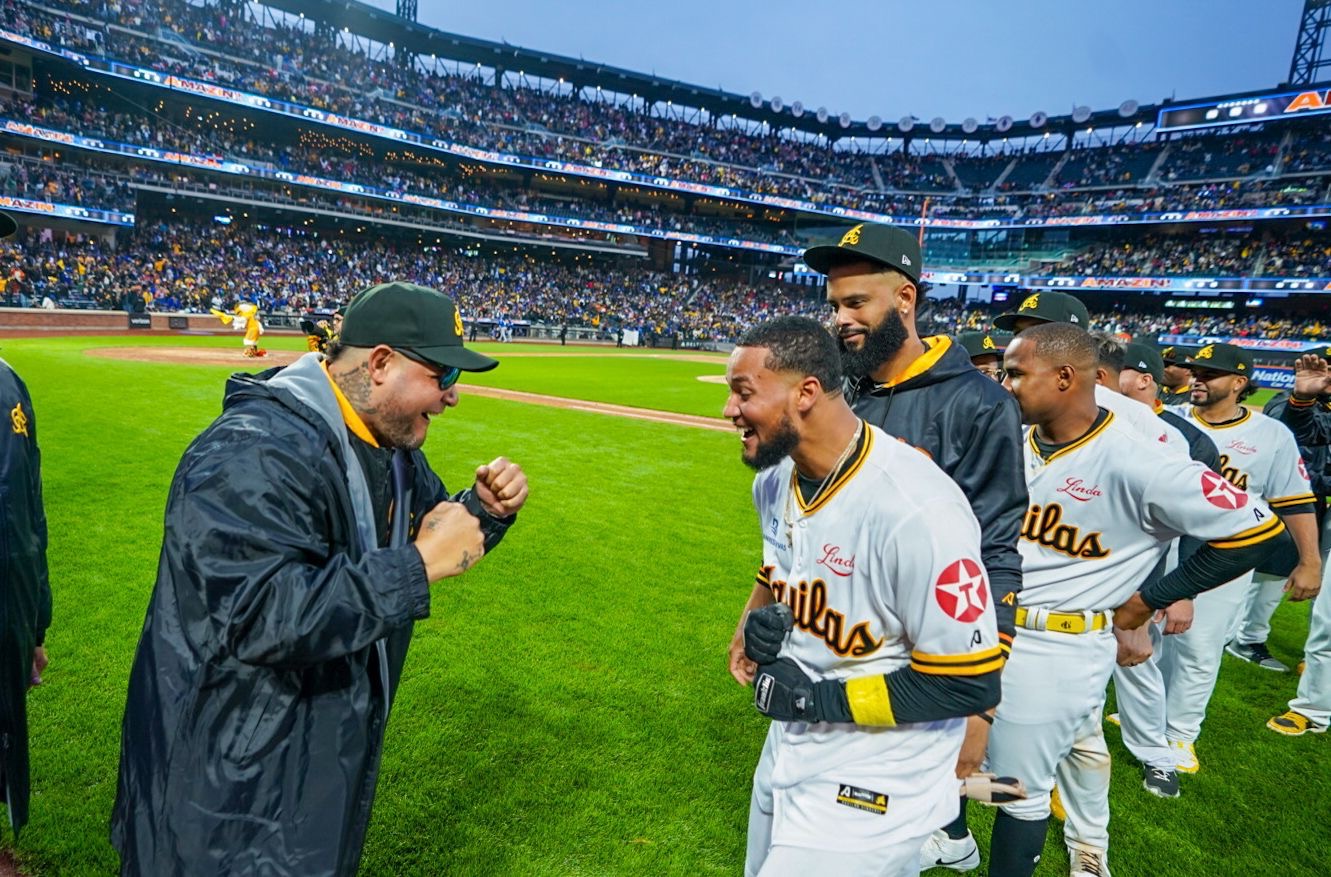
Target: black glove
[[782, 692], [764, 631]]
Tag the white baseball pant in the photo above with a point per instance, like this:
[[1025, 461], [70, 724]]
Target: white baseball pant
[[1190, 661]]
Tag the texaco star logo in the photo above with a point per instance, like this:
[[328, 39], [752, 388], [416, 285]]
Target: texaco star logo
[[961, 590], [1220, 493]]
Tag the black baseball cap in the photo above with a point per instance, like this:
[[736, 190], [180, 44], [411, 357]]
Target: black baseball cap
[[1047, 306], [7, 225], [1222, 358], [982, 343], [1171, 355], [874, 242], [1142, 357], [417, 319]]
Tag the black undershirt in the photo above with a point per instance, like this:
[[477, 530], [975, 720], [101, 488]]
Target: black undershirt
[[808, 487], [1047, 450], [377, 464]]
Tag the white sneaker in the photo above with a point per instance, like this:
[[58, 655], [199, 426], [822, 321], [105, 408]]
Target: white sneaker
[[1088, 863], [941, 851], [1185, 756]]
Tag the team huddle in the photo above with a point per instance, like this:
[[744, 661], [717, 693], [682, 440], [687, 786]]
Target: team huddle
[[965, 540]]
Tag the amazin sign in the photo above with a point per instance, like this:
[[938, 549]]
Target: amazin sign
[[1245, 110]]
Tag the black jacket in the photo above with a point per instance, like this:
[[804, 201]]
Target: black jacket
[[971, 427], [25, 590], [1311, 426], [273, 645]]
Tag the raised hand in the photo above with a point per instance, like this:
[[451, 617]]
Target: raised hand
[[501, 486], [1311, 376]]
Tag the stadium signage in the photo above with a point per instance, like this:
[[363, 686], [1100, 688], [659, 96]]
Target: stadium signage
[[1277, 377], [1273, 107], [1272, 345], [66, 211]]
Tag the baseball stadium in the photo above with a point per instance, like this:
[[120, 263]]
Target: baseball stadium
[[201, 188]]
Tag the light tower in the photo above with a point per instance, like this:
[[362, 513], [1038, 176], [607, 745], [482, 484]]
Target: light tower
[[1307, 65]]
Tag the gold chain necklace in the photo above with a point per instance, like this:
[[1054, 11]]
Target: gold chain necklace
[[791, 513]]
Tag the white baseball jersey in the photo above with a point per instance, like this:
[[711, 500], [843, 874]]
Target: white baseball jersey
[[1103, 512], [1104, 508], [1259, 454], [881, 571], [1142, 420]]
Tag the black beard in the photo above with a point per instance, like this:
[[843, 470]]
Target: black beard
[[881, 343], [775, 449]]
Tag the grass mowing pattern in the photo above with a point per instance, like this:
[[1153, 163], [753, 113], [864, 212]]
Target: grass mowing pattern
[[566, 708]]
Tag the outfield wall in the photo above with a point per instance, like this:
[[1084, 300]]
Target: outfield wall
[[75, 320]]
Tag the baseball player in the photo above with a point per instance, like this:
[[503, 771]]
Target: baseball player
[[925, 391], [1051, 306], [1140, 689], [1306, 412], [1176, 385], [1084, 557], [872, 559], [1258, 455], [986, 351], [1140, 379]]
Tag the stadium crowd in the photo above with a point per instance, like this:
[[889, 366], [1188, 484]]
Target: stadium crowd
[[588, 128], [950, 317], [191, 267]]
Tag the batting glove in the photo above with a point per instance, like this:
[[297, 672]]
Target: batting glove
[[990, 789], [765, 630], [782, 692]]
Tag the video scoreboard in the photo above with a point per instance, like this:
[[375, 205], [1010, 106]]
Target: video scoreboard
[[1250, 110]]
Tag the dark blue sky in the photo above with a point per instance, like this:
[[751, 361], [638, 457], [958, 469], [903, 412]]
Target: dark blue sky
[[954, 58]]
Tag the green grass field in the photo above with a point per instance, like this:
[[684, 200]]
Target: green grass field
[[566, 709]]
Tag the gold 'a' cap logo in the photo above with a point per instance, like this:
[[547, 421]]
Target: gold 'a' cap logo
[[988, 343], [19, 420], [457, 323], [852, 237], [1206, 352], [1031, 303]]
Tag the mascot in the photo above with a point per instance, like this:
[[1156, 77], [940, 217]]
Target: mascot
[[249, 314]]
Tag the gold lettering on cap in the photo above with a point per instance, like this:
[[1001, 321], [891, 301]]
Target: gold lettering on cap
[[1206, 352], [989, 343], [852, 237], [1031, 303], [457, 323]]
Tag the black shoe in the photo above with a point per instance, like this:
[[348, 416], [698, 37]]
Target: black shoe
[[1256, 653], [1160, 781]]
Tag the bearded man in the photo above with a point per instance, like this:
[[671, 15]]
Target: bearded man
[[925, 392]]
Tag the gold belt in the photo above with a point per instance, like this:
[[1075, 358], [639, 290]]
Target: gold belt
[[1039, 618]]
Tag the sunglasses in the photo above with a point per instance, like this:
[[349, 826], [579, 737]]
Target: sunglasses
[[447, 378]]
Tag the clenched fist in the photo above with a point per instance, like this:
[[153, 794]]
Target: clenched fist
[[501, 486], [449, 541]]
